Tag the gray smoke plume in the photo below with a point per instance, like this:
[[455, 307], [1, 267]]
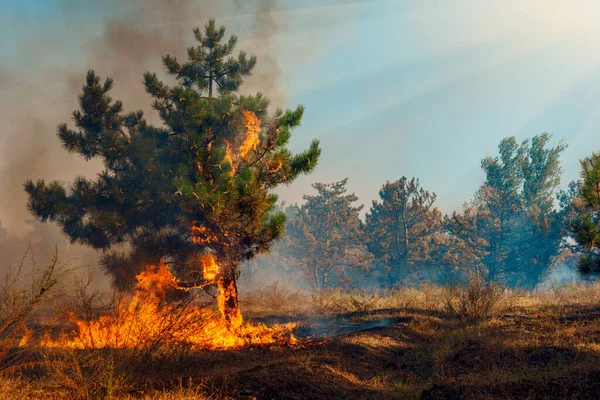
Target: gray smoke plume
[[37, 91]]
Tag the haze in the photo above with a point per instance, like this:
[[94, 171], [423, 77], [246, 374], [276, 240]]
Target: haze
[[391, 88]]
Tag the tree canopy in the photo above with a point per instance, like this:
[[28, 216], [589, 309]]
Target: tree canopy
[[512, 226], [586, 225], [201, 182], [324, 240], [400, 227]]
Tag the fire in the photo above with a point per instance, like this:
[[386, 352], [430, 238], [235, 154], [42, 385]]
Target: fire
[[28, 334], [210, 268], [252, 124], [229, 157], [250, 143], [202, 235], [147, 318], [272, 168]]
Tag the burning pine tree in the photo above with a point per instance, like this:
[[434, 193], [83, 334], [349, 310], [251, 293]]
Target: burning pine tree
[[196, 192]]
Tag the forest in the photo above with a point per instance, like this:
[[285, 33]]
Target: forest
[[518, 227]]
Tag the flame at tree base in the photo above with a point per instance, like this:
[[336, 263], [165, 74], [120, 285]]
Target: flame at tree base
[[146, 319]]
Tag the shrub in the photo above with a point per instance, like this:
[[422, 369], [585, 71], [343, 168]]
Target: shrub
[[21, 293], [476, 300], [275, 298]]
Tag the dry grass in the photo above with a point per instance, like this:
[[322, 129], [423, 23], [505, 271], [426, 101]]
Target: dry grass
[[489, 343], [18, 389], [274, 299], [474, 301]]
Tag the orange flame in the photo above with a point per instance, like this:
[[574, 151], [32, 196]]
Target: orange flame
[[210, 268], [28, 334], [147, 319], [202, 235], [230, 158], [252, 124], [250, 143], [274, 166]]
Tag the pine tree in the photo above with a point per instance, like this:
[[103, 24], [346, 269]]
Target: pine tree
[[500, 199], [200, 183], [544, 224], [324, 239], [467, 238], [586, 226], [401, 227], [512, 226]]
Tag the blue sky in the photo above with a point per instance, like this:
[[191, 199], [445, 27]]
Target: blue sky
[[393, 88]]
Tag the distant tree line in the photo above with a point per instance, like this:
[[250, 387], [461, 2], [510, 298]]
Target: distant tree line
[[514, 230]]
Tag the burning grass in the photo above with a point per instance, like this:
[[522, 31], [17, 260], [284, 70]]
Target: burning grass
[[542, 345], [148, 320]]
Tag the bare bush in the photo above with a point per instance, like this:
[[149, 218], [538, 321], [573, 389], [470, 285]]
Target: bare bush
[[363, 301], [475, 301], [335, 301], [359, 301], [22, 291], [326, 301], [275, 298]]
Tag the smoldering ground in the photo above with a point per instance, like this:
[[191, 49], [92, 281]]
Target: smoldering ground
[[40, 82]]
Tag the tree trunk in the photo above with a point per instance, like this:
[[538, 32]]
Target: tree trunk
[[405, 238], [315, 272], [210, 77], [228, 300], [391, 278]]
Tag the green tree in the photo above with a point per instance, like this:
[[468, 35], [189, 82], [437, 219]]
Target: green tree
[[324, 239], [585, 227], [500, 199], [544, 224], [466, 244], [401, 227], [202, 183], [512, 226]]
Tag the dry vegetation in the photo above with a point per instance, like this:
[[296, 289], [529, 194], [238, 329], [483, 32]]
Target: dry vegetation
[[474, 341]]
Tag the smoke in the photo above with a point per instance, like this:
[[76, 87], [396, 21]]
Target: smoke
[[120, 39], [261, 39], [562, 274]]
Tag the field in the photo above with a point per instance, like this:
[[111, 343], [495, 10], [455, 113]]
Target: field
[[428, 342]]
